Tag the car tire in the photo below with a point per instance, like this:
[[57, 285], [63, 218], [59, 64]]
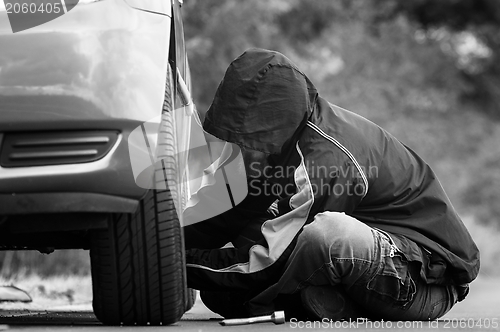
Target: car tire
[[138, 265], [191, 299]]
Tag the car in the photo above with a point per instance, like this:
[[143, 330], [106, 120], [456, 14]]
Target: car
[[74, 91]]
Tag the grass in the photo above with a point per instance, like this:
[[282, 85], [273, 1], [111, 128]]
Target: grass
[[49, 292], [60, 262]]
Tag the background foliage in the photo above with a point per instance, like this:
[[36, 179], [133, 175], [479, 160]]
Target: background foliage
[[427, 71]]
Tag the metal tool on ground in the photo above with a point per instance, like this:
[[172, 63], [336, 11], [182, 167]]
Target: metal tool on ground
[[277, 318]]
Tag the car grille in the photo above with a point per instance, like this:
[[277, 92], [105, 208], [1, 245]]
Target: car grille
[[54, 148]]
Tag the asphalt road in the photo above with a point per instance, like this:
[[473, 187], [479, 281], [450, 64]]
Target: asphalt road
[[479, 312]]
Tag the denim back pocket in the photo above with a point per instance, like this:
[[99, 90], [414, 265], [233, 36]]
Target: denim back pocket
[[392, 280]]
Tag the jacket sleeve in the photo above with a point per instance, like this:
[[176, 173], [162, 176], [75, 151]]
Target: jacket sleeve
[[218, 231], [206, 269], [206, 250]]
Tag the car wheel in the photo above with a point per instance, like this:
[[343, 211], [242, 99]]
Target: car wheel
[[138, 265]]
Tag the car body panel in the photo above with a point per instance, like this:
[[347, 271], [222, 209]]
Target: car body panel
[[109, 57], [101, 66], [161, 7]]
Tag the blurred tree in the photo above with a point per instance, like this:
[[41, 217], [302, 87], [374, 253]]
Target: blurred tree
[[306, 20], [219, 30], [474, 37]]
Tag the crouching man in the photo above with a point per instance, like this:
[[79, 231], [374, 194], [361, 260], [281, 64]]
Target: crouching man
[[341, 220]]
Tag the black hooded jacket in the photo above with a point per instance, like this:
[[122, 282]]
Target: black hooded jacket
[[324, 158]]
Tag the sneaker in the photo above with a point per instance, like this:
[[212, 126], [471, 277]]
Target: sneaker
[[330, 302]]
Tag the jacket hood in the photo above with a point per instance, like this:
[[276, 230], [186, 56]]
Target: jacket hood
[[262, 102]]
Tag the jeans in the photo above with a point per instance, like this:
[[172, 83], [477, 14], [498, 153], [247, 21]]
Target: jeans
[[337, 249]]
